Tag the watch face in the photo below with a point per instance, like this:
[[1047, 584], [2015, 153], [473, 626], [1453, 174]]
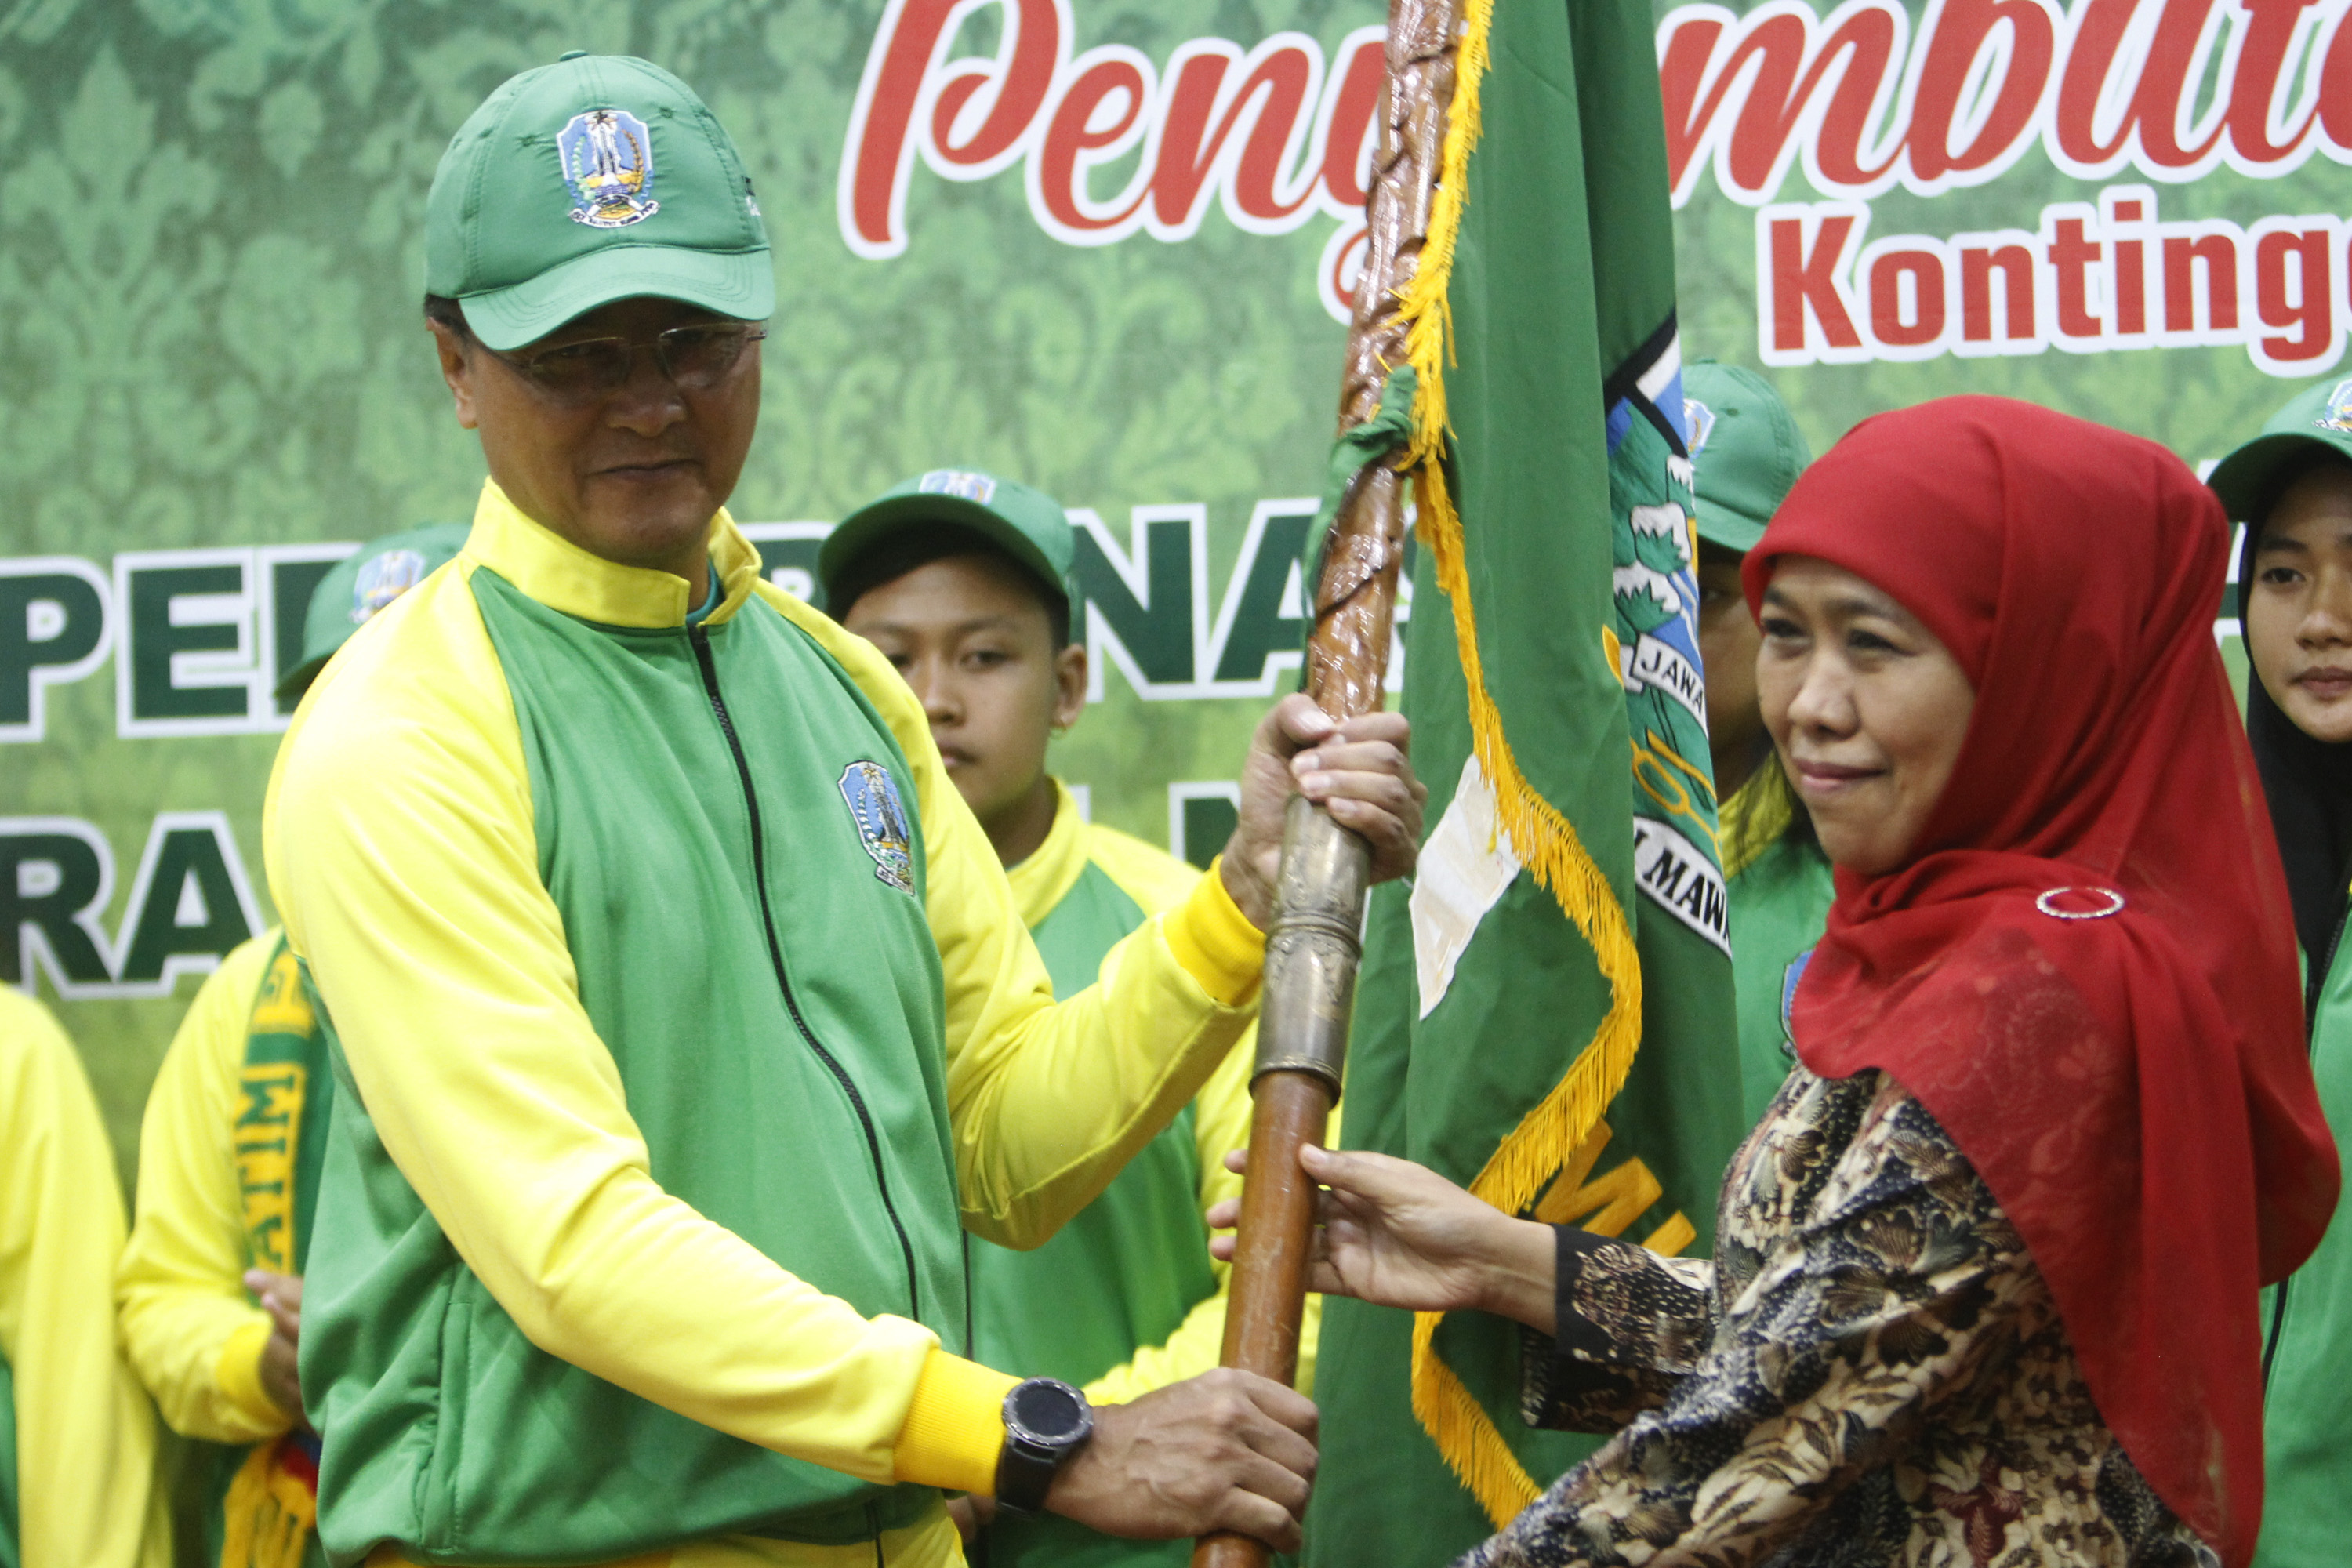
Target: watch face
[[1046, 1412]]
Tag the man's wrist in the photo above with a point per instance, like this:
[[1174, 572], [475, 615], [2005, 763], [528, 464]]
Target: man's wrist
[[1215, 942], [1252, 895], [237, 1371]]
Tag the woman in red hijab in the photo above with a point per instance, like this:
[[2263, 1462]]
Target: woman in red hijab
[[1985, 1280]]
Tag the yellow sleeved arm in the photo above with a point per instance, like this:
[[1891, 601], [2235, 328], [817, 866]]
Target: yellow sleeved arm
[[1049, 1100], [442, 959], [192, 1331], [85, 1434]]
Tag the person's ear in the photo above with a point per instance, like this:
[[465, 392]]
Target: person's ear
[[1069, 686], [456, 369]]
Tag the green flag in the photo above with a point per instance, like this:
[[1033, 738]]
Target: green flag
[[1547, 1015]]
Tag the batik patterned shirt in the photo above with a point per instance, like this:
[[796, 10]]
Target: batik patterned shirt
[[1870, 1372]]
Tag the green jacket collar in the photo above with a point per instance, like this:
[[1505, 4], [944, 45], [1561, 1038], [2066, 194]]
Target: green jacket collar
[[562, 576]]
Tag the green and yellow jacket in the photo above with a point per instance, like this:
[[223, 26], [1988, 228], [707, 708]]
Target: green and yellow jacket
[[680, 1013], [1780, 891], [2307, 1325], [1125, 1298], [228, 1166]]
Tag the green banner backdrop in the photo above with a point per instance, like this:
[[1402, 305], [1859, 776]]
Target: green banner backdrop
[[1100, 247]]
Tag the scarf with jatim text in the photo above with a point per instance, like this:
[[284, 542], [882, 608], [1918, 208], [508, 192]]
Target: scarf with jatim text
[[2085, 970]]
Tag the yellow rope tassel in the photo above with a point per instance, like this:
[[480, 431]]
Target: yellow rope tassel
[[1533, 1153], [267, 1515]]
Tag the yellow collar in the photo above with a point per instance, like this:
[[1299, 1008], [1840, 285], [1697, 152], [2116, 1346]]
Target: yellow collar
[[562, 576], [1053, 868], [1752, 820]]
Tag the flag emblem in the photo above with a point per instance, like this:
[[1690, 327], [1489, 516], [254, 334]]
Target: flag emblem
[[607, 156]]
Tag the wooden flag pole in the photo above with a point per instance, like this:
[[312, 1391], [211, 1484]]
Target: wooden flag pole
[[1312, 949]]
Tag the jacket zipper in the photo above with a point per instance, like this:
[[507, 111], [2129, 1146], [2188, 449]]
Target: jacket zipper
[[2313, 990], [701, 638]]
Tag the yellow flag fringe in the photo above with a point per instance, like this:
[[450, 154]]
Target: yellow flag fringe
[[267, 1515], [1543, 839]]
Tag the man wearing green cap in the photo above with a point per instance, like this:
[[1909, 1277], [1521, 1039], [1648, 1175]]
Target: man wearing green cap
[[682, 1008], [209, 1291], [961, 579], [1748, 452], [2292, 488]]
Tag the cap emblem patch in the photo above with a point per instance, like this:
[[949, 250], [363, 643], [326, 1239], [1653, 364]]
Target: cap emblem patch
[[959, 482], [382, 580], [881, 819], [2337, 415], [1699, 419], [608, 164]]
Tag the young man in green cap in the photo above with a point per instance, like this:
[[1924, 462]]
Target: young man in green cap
[[2292, 487], [209, 1292], [1748, 452], [961, 579], [680, 1007]]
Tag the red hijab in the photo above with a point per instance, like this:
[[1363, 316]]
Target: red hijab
[[2132, 1086]]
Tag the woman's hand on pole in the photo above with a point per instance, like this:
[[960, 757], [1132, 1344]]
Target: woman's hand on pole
[[1398, 1234]]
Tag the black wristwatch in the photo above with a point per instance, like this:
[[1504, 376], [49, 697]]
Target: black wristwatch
[[1045, 1422]]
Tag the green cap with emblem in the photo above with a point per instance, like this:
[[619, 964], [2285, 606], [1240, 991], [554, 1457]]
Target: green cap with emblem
[[363, 583], [2317, 420], [1746, 447], [600, 177], [1028, 524]]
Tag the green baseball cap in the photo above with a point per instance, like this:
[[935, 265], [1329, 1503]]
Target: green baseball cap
[[2320, 418], [598, 178], [363, 583], [1746, 447], [1027, 524]]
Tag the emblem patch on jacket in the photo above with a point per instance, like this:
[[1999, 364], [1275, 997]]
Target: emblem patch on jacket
[[382, 580], [608, 164], [881, 818]]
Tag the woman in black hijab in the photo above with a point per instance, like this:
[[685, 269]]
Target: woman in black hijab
[[2292, 486]]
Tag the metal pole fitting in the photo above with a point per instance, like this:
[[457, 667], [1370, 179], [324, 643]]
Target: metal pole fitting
[[1312, 949]]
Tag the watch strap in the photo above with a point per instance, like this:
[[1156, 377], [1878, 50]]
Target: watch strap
[[1024, 1475]]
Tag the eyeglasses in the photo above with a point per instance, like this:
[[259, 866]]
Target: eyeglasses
[[697, 358]]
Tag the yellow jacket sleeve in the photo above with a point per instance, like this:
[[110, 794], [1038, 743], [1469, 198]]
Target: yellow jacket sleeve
[[85, 1434], [192, 1331], [1049, 1100]]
